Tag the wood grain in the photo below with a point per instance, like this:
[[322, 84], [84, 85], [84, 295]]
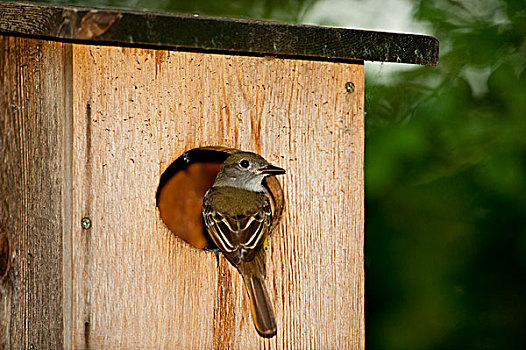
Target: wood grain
[[135, 285], [35, 105]]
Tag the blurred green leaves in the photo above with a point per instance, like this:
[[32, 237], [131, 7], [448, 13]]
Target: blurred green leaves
[[446, 221], [288, 11]]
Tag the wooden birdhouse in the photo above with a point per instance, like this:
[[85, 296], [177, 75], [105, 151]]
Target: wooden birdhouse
[[113, 124]]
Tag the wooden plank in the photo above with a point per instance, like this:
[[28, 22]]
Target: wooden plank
[[138, 286], [187, 32], [34, 110]]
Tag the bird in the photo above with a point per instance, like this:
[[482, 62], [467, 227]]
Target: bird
[[237, 216]]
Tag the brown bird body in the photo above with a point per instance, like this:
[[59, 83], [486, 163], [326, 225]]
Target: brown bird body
[[246, 225], [238, 216]]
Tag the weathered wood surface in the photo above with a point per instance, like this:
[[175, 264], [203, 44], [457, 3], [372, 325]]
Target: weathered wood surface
[[127, 282], [180, 31], [138, 286], [35, 119]]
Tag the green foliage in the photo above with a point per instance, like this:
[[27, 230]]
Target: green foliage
[[288, 11], [446, 187]]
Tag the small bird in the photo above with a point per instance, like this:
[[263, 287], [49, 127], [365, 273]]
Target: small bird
[[237, 216]]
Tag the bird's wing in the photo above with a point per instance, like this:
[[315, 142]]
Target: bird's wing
[[218, 229], [253, 229], [231, 233]]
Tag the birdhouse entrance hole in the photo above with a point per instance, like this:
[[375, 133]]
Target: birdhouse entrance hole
[[183, 185]]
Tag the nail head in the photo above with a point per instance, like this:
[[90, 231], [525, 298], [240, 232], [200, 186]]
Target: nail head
[[86, 223]]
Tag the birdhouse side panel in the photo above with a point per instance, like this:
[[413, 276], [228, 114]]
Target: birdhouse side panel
[[35, 189]]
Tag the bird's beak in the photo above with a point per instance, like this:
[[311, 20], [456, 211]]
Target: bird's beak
[[270, 170]]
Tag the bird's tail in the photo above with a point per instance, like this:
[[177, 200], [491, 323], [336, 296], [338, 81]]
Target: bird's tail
[[253, 273]]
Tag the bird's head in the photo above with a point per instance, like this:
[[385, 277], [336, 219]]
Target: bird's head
[[246, 170]]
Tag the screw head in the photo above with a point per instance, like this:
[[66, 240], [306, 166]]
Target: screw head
[[85, 223], [349, 86]]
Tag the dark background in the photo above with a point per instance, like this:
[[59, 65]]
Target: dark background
[[445, 173]]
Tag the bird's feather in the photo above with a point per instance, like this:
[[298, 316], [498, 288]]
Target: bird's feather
[[244, 228]]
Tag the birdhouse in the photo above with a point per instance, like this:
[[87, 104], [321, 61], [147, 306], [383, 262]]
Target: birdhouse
[[113, 124]]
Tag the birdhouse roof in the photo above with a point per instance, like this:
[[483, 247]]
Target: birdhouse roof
[[186, 32]]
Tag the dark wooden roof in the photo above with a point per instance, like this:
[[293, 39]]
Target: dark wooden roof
[[223, 35]]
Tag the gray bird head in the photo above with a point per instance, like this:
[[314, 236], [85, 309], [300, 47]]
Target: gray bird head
[[246, 170]]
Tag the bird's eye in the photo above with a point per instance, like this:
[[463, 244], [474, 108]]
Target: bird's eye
[[244, 163]]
